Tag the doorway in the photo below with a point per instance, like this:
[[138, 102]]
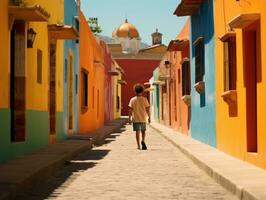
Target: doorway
[[18, 81], [70, 94], [252, 53], [52, 91]]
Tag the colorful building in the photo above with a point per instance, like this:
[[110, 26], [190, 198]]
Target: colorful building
[[110, 72], [137, 63], [118, 83], [92, 79], [203, 71], [179, 83], [71, 70], [240, 41], [112, 86], [155, 83], [164, 90], [32, 76]]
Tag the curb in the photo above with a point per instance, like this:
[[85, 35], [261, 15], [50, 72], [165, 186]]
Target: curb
[[232, 184]]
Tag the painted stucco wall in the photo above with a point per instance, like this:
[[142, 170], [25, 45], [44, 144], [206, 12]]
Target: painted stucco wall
[[117, 91], [36, 93], [152, 99], [136, 71], [91, 59], [156, 95], [71, 48], [203, 108], [231, 130], [4, 55], [108, 84], [180, 112]]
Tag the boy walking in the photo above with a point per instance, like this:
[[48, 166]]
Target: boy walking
[[139, 109]]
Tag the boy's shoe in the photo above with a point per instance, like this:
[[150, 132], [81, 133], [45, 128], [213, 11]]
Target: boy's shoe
[[144, 147]]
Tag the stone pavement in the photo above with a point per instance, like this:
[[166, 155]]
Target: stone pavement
[[21, 173], [245, 180], [117, 170]]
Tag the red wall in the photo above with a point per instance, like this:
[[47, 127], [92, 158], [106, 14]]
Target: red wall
[[136, 71]]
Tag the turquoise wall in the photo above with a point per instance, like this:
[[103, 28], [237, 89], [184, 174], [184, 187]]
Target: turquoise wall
[[203, 108], [156, 95], [36, 134], [71, 11]]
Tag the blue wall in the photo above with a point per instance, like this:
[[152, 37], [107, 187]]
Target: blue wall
[[71, 11], [203, 108], [156, 95]]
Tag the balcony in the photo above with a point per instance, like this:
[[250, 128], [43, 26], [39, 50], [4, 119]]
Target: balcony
[[178, 45]]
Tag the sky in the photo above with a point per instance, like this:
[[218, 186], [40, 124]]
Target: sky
[[146, 15]]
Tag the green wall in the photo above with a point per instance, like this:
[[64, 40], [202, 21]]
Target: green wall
[[36, 133], [60, 135]]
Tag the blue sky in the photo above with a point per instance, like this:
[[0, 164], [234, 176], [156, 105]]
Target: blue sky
[[146, 15]]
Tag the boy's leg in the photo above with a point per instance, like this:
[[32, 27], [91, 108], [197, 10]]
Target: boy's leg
[[138, 139], [143, 133]]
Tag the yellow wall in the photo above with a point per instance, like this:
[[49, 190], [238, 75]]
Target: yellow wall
[[231, 131], [37, 94], [117, 113], [4, 55]]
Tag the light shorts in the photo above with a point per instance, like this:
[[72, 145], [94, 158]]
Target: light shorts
[[139, 126]]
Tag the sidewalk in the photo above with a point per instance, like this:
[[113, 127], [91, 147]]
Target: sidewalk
[[246, 181], [29, 170]]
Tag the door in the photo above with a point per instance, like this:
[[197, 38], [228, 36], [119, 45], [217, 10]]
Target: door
[[251, 39], [18, 81], [52, 91], [70, 94]]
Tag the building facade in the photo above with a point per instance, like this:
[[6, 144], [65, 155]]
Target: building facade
[[32, 75], [180, 81], [71, 71], [92, 79], [203, 71], [240, 46]]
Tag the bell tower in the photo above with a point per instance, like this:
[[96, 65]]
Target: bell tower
[[156, 37]]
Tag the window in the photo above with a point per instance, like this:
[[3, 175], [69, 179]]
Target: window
[[199, 59], [230, 63], [39, 66], [93, 96], [76, 84], [98, 104], [84, 93], [185, 78], [77, 26]]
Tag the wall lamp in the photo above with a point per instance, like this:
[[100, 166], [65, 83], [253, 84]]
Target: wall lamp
[[31, 34]]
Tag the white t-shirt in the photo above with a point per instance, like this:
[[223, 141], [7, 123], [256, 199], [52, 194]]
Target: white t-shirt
[[139, 105]]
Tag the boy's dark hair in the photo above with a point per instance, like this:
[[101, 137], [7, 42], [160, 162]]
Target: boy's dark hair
[[138, 88]]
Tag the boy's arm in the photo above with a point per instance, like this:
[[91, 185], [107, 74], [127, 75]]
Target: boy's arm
[[149, 114], [130, 115]]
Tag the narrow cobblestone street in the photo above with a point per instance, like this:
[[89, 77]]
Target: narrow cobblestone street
[[117, 170]]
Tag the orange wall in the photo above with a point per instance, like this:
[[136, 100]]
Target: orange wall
[[180, 112], [231, 130], [91, 59]]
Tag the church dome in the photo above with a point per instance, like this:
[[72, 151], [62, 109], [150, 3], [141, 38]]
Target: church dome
[[126, 30]]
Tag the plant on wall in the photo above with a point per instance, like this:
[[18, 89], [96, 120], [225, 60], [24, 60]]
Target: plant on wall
[[94, 26]]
